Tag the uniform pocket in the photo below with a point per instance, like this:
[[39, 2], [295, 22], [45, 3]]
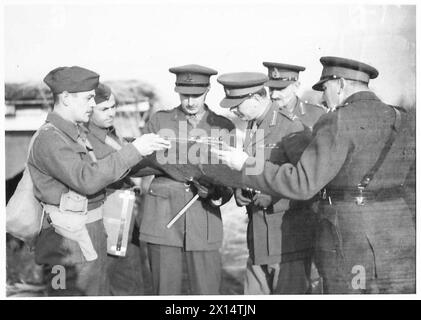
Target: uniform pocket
[[159, 192], [157, 212]]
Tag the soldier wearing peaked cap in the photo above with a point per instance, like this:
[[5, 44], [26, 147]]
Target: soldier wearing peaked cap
[[280, 234], [71, 187], [283, 85], [358, 159], [197, 236]]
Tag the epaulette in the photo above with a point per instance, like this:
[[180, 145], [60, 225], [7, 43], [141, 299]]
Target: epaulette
[[165, 110], [340, 106], [317, 105], [320, 106]]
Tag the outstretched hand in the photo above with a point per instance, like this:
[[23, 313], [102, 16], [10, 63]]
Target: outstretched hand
[[232, 157], [149, 143]]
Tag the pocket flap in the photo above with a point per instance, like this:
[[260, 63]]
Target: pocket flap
[[159, 192], [73, 202]]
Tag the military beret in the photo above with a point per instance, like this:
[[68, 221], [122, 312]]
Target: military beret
[[336, 67], [192, 78], [102, 93], [71, 79], [281, 75], [239, 86]]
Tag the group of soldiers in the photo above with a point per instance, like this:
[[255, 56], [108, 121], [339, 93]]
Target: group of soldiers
[[330, 192]]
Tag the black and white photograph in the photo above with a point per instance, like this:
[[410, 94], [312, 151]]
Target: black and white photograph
[[219, 149]]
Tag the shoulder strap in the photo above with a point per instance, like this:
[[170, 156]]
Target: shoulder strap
[[395, 127], [47, 124]]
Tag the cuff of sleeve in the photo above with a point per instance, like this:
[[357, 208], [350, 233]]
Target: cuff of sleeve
[[130, 155]]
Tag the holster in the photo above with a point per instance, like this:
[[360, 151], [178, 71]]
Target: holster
[[69, 220]]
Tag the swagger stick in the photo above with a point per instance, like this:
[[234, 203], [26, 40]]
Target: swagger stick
[[182, 211]]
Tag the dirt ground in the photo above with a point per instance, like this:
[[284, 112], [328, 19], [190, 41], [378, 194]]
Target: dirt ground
[[24, 277]]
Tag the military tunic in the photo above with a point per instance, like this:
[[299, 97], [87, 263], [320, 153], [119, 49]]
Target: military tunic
[[308, 113], [264, 230], [58, 163], [125, 273], [376, 238], [278, 234], [200, 228]]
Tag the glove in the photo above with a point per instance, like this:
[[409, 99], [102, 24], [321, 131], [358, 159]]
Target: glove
[[262, 200], [241, 199], [204, 188]]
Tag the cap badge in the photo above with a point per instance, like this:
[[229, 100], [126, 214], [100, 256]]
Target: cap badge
[[275, 74]]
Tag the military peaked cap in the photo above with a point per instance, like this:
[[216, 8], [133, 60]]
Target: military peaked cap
[[192, 78], [281, 75], [240, 86], [336, 67]]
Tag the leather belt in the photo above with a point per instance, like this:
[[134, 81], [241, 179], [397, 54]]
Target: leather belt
[[361, 196], [94, 215]]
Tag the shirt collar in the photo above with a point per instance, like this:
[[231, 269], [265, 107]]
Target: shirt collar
[[361, 95], [100, 133], [71, 129], [181, 115]]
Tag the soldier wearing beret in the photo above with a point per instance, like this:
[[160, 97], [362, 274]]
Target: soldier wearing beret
[[279, 238], [197, 236], [358, 158], [70, 185], [124, 273], [283, 86]]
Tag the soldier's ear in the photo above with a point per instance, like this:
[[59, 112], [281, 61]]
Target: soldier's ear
[[206, 92], [64, 97]]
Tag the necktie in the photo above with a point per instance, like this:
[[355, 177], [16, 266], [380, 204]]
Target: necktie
[[251, 130]]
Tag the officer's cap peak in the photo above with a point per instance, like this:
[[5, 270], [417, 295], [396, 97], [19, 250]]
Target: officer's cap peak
[[350, 64], [242, 79], [283, 66], [193, 68]]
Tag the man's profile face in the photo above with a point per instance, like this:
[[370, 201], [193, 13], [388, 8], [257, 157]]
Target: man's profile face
[[331, 89], [192, 103], [103, 114], [81, 104], [247, 110]]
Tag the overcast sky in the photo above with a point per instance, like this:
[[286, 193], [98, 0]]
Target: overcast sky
[[141, 41]]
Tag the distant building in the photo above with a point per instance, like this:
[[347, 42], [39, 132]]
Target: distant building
[[26, 107]]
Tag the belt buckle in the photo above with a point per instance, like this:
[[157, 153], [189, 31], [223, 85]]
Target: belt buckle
[[360, 200]]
